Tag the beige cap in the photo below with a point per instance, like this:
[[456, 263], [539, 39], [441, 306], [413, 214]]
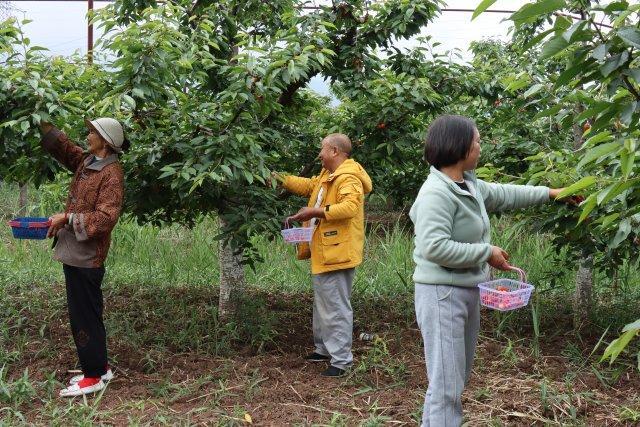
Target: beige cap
[[110, 129]]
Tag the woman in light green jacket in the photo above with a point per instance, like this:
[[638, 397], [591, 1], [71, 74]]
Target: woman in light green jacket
[[452, 255]]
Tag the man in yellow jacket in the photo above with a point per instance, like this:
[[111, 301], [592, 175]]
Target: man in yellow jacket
[[336, 210]]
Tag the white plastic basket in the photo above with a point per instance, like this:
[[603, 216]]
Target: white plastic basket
[[506, 294], [296, 234]]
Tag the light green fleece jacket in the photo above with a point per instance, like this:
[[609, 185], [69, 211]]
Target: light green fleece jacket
[[452, 231]]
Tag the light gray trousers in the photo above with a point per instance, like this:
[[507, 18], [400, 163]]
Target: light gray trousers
[[449, 320], [333, 316]]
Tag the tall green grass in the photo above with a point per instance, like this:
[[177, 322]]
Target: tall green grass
[[174, 256]]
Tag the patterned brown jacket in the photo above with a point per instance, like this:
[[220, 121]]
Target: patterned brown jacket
[[95, 200]]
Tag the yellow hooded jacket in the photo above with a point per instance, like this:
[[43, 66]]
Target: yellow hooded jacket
[[338, 240]]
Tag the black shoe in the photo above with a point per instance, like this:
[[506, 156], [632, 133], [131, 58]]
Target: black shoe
[[315, 357], [332, 371]]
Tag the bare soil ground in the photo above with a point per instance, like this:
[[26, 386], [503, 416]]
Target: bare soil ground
[[509, 386]]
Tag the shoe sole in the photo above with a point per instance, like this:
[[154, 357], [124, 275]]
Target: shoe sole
[[87, 390], [317, 360], [334, 376]]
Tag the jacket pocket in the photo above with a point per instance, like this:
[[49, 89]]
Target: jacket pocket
[[336, 245]]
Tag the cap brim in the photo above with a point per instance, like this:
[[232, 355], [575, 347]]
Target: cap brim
[[90, 125]]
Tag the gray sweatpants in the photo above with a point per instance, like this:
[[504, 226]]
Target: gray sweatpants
[[333, 316], [449, 320]]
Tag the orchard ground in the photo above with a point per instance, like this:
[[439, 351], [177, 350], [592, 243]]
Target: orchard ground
[[175, 364]]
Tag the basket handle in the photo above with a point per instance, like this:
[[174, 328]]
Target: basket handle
[[286, 222], [523, 275], [30, 224]]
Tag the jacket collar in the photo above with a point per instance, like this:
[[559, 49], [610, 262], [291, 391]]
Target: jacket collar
[[343, 168], [468, 176], [99, 164]]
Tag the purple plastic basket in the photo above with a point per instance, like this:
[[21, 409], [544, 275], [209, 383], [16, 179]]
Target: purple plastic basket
[[30, 227], [296, 234], [506, 294]]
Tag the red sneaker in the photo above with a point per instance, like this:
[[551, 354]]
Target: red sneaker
[[82, 387], [108, 376]]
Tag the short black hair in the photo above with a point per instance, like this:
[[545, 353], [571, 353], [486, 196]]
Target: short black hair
[[448, 140]]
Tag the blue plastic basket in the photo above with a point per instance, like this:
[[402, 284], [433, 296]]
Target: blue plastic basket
[[30, 227]]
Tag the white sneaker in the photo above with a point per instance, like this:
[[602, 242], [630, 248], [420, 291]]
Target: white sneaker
[[108, 376], [76, 390]]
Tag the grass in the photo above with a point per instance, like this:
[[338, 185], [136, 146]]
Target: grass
[[161, 294]]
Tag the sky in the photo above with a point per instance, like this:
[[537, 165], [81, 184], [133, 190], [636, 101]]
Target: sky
[[61, 27]]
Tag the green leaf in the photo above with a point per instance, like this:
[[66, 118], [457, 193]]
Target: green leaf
[[599, 52], [409, 13], [167, 171], [484, 5], [278, 64], [597, 138], [519, 82], [568, 75], [609, 193], [574, 31], [623, 15], [630, 35], [613, 63], [593, 111], [129, 101], [635, 326], [227, 170], [607, 220], [624, 228], [553, 47], [587, 207], [534, 10], [548, 112], [537, 39], [585, 182], [533, 90], [138, 92], [618, 345], [627, 160], [598, 152], [627, 113]]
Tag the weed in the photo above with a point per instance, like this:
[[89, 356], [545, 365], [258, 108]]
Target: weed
[[509, 355], [630, 414], [376, 364]]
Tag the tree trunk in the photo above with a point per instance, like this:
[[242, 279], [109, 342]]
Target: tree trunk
[[582, 298], [582, 301], [23, 200], [232, 281]]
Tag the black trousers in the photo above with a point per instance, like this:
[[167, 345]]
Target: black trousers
[[84, 300]]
